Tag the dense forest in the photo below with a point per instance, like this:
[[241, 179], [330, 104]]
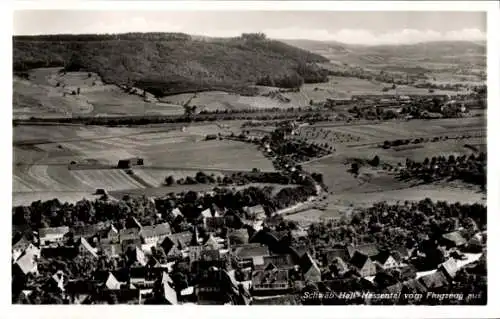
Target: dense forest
[[168, 63]]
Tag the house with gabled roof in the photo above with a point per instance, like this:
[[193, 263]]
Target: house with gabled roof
[[131, 244], [434, 280], [155, 233], [369, 249], [110, 234], [129, 234], [178, 240], [330, 255], [413, 286], [299, 233], [112, 283], [211, 243], [132, 222], [85, 249], [477, 242], [26, 264], [449, 268], [206, 213], [169, 292], [386, 260], [177, 212], [270, 280], [19, 247], [111, 249], [32, 249], [217, 211], [233, 220], [400, 253], [255, 212], [453, 239], [282, 261], [394, 289], [52, 235], [309, 268], [298, 250], [249, 255], [88, 231], [136, 257], [363, 264], [277, 241]]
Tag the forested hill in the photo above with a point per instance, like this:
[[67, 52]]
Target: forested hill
[[165, 63]]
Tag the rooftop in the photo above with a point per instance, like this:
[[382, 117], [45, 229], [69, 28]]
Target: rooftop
[[369, 250], [61, 231], [455, 237], [250, 250], [358, 260], [155, 230], [269, 276]]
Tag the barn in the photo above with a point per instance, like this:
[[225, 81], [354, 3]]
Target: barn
[[128, 163]]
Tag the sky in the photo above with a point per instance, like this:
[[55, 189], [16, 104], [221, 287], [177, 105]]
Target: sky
[[371, 28]]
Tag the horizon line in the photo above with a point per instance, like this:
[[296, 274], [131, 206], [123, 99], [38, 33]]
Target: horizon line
[[232, 37]]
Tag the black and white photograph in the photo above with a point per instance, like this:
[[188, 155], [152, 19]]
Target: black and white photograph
[[249, 157]]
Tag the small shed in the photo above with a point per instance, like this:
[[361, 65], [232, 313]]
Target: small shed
[[128, 163]]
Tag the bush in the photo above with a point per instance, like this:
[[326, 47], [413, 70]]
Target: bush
[[170, 180], [375, 161]]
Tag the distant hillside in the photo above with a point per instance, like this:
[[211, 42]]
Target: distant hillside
[[427, 55], [165, 63]]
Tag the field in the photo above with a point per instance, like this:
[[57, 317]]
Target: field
[[372, 184], [218, 100], [335, 88], [48, 93], [42, 155]]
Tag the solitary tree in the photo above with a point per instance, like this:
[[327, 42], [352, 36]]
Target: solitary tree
[[169, 180], [375, 161]]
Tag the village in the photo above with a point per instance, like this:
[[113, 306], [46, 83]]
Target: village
[[206, 265], [237, 255]]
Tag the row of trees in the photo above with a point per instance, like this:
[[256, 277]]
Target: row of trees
[[53, 213], [311, 117], [394, 143], [470, 169]]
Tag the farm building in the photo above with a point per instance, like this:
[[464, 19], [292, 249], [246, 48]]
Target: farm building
[[128, 163], [101, 191], [52, 235]]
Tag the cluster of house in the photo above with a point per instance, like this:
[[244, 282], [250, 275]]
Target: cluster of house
[[369, 262], [256, 267], [247, 262], [458, 103]]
